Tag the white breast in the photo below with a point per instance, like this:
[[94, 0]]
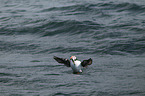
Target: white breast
[[76, 66]]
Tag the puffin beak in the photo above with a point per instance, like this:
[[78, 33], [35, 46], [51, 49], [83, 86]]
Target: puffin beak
[[70, 57]]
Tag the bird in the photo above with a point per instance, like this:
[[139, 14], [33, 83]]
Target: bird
[[74, 63]]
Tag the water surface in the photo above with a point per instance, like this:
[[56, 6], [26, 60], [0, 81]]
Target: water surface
[[111, 32]]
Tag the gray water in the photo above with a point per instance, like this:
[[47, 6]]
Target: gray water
[[110, 32]]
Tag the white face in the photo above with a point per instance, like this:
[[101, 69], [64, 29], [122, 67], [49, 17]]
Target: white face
[[73, 57]]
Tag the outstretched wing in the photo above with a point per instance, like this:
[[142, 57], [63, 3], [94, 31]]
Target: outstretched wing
[[86, 62], [62, 60]]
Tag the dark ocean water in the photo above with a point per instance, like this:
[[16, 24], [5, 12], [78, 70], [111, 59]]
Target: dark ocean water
[[111, 32]]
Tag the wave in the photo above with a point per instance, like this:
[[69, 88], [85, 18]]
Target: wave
[[43, 25], [132, 7], [121, 47], [72, 8], [106, 36], [101, 41], [17, 47], [95, 7], [51, 28]]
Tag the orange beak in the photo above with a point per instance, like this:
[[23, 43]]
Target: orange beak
[[71, 57]]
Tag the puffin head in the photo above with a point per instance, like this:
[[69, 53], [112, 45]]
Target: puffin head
[[73, 58]]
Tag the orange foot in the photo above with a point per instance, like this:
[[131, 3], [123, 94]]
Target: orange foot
[[76, 72]]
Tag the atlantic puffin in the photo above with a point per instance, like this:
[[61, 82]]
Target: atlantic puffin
[[74, 63]]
